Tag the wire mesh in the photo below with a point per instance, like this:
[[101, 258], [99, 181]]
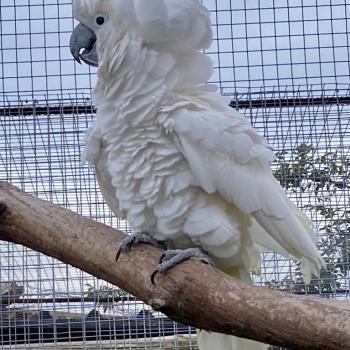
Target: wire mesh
[[286, 66]]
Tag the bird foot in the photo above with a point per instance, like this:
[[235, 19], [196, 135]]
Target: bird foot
[[128, 242], [171, 258]]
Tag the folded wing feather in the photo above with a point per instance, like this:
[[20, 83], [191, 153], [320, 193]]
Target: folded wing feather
[[227, 156]]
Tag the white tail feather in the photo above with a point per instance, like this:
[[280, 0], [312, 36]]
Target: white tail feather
[[295, 235], [217, 341]]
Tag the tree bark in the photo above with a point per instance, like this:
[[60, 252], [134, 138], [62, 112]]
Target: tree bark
[[193, 293]]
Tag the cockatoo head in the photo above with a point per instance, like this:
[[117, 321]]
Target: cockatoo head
[[172, 25], [99, 20]]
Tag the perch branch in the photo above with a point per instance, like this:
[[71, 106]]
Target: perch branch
[[192, 292]]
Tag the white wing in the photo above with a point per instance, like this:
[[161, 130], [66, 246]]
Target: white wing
[[227, 156]]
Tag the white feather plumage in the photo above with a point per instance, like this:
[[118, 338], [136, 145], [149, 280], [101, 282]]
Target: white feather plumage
[[170, 156]]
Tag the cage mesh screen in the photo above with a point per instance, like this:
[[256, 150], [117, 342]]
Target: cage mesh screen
[[285, 65]]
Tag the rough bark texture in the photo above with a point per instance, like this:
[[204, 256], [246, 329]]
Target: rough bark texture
[[192, 292]]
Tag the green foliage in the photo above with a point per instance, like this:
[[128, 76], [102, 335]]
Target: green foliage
[[324, 179], [105, 296], [105, 292]]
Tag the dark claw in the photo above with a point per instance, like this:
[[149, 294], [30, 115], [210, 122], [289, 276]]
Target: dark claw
[[130, 241], [162, 257], [118, 254], [153, 276], [125, 245]]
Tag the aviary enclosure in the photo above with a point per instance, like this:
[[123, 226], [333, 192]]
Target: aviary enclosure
[[284, 64]]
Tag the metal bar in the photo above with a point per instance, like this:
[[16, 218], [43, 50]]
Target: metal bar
[[238, 104], [115, 299], [290, 102], [45, 110]]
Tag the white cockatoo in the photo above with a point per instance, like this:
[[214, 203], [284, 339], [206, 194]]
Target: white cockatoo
[[169, 154]]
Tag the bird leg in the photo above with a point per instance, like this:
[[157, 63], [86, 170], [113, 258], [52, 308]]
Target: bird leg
[[171, 258], [128, 242]]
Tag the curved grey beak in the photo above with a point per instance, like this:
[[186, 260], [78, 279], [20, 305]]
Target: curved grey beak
[[84, 38]]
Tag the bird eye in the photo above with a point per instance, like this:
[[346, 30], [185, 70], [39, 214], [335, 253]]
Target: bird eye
[[100, 20]]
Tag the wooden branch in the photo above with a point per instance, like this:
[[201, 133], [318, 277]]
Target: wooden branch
[[192, 292]]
